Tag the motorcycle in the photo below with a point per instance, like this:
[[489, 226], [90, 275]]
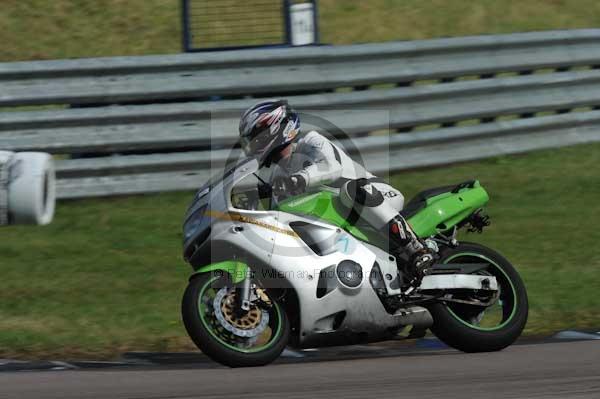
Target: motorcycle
[[306, 272]]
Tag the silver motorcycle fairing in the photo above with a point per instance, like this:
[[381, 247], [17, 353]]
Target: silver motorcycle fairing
[[230, 233], [266, 241], [342, 310]]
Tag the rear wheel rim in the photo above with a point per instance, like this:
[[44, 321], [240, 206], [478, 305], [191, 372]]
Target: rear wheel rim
[[507, 302], [264, 341]]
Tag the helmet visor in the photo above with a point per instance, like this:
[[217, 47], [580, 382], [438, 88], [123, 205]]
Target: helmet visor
[[258, 145]]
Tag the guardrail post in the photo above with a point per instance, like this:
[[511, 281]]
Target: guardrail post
[[288, 21], [316, 21], [185, 25]]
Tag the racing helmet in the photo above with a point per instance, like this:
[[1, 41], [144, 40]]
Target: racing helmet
[[267, 127]]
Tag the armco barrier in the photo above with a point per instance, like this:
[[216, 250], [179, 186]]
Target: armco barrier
[[131, 125]]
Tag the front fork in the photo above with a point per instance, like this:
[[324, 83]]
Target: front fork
[[250, 294], [246, 291]]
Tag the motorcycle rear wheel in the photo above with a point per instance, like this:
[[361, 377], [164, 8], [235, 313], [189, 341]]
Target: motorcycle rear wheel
[[207, 330], [460, 326]]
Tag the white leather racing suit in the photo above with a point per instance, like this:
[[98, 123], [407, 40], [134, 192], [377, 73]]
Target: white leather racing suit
[[321, 162]]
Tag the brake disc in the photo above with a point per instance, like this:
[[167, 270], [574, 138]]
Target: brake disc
[[250, 324]]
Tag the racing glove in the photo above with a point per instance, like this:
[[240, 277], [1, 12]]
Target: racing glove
[[289, 185]]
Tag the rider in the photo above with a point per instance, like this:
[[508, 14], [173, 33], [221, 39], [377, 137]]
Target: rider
[[269, 131]]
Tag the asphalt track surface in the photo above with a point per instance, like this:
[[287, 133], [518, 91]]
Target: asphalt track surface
[[557, 370]]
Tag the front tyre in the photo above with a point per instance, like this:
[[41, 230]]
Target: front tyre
[[253, 338], [472, 328]]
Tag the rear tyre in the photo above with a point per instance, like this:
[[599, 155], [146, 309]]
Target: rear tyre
[[219, 333], [462, 326]]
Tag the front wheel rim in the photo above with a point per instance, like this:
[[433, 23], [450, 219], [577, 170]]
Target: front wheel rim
[[228, 339], [508, 296]]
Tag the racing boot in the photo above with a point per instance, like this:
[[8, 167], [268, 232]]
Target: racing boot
[[404, 241]]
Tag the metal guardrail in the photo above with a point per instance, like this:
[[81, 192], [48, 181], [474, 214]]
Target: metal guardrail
[[441, 101]]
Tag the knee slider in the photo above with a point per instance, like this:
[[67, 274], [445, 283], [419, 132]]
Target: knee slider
[[360, 192]]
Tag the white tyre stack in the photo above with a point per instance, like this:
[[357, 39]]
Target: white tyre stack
[[27, 185]]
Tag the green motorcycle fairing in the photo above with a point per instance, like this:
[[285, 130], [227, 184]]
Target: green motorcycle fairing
[[321, 205], [439, 213], [237, 270], [444, 211]]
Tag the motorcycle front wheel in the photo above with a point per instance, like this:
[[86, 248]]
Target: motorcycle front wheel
[[472, 328], [226, 334]]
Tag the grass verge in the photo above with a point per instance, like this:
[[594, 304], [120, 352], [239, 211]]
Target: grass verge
[[41, 29], [107, 276]]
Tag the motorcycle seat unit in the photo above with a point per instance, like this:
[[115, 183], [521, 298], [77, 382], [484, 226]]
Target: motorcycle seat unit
[[419, 201]]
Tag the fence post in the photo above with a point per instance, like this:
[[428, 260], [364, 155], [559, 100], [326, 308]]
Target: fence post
[[316, 21], [288, 21], [185, 18]]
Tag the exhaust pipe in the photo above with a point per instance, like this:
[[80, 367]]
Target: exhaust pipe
[[416, 316]]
